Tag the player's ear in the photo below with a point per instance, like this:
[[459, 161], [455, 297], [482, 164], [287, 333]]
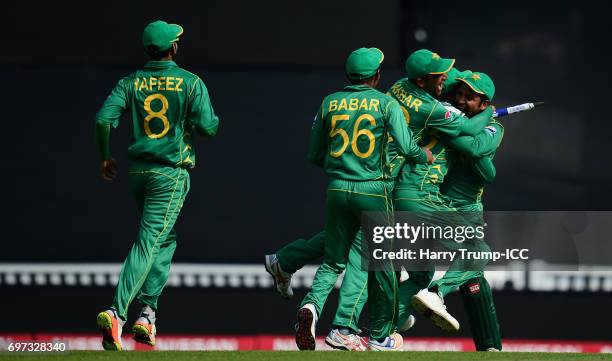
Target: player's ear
[[484, 104], [377, 76], [420, 82], [174, 48]]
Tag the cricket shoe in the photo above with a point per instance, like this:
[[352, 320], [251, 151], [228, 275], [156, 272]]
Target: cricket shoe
[[493, 349], [282, 279], [431, 305], [144, 330], [393, 342], [348, 342], [111, 327], [305, 328], [408, 324]]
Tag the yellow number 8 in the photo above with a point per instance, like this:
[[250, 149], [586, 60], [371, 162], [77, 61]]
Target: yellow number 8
[[159, 115]]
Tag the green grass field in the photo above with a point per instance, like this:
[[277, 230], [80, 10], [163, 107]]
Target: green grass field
[[297, 356]]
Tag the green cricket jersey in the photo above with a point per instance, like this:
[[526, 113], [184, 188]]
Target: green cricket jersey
[[429, 119], [351, 131], [165, 103], [472, 165]]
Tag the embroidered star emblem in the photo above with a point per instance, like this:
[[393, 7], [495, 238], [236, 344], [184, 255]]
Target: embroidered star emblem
[[475, 76], [435, 56]]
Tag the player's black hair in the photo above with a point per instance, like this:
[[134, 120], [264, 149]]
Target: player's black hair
[[155, 54], [357, 81]]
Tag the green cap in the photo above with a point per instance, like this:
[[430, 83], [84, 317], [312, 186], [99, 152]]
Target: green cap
[[424, 62], [363, 63], [453, 79], [159, 35], [481, 83]]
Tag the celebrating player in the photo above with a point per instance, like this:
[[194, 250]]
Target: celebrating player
[[470, 168], [463, 188], [165, 103], [417, 186], [349, 139], [300, 252]]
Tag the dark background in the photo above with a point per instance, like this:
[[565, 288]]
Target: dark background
[[267, 65]]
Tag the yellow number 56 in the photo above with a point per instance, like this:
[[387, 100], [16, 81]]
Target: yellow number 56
[[356, 134]]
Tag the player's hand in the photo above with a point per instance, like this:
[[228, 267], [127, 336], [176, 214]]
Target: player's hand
[[430, 157], [108, 169]]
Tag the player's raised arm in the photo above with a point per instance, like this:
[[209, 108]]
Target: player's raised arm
[[317, 146], [402, 135], [472, 126], [201, 113], [455, 124], [484, 143]]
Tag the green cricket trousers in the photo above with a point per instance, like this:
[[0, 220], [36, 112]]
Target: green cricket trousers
[[433, 209], [346, 200], [159, 192], [461, 271], [353, 292]]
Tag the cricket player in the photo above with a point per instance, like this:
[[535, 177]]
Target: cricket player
[[471, 167], [463, 188], [417, 186], [353, 293], [166, 103], [349, 139]]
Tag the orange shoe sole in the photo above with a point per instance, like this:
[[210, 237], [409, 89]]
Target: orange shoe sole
[[110, 332], [144, 334]]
